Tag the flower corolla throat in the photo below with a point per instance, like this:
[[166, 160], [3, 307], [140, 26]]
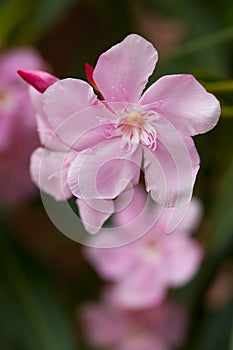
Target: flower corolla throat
[[138, 126]]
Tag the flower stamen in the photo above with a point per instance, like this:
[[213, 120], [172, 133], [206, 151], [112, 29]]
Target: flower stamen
[[137, 127]]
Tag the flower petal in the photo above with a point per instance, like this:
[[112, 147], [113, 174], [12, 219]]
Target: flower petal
[[184, 102], [170, 170], [85, 128], [185, 218], [49, 172], [99, 321], [44, 128], [144, 288], [129, 205], [65, 98], [111, 264], [192, 217], [121, 73], [182, 257], [104, 172], [94, 213], [19, 58]]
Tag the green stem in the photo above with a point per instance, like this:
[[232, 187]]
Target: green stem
[[26, 296]]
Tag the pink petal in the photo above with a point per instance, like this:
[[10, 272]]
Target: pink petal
[[100, 322], [184, 102], [112, 263], [171, 169], [7, 123], [183, 256], [85, 129], [49, 172], [185, 218], [65, 98], [143, 341], [129, 205], [19, 58], [104, 172], [141, 288], [94, 213], [44, 128], [36, 100], [192, 217], [121, 73], [38, 79]]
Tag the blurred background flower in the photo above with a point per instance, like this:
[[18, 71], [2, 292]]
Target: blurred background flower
[[43, 276], [17, 125], [144, 270], [108, 326]]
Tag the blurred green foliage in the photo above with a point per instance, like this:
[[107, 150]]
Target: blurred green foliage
[[31, 315], [22, 22]]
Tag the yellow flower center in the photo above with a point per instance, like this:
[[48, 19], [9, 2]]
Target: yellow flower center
[[135, 126], [134, 119]]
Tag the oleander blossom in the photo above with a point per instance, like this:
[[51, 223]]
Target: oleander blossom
[[144, 270], [17, 125], [106, 326], [116, 131]]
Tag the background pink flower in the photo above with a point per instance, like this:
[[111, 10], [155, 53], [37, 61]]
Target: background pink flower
[[145, 269], [106, 326], [17, 125]]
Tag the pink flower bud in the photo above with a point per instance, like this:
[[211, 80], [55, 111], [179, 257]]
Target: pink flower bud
[[38, 79]]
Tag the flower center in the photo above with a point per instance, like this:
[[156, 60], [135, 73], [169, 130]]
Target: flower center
[[134, 119], [138, 127], [134, 124]]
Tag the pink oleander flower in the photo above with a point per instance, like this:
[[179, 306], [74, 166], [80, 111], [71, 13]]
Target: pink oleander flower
[[17, 125], [123, 131], [145, 269], [106, 326]]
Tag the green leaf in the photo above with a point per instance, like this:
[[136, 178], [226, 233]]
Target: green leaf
[[12, 13], [47, 12]]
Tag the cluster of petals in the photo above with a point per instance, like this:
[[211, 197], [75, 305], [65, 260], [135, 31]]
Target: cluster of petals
[[101, 138], [17, 125], [144, 270], [107, 326]]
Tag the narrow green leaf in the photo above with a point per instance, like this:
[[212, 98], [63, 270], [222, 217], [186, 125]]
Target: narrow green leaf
[[202, 43]]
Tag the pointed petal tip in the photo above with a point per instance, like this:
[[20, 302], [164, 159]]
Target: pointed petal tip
[[89, 72], [40, 80]]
